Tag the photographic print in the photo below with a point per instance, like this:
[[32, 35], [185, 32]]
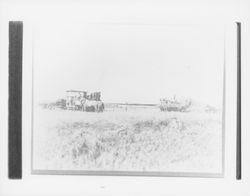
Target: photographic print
[[129, 99]]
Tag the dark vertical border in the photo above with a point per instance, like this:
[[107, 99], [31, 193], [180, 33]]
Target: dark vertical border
[[224, 106], [238, 138], [15, 100]]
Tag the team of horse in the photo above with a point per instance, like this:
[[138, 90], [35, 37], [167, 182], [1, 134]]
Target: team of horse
[[84, 104], [82, 101]]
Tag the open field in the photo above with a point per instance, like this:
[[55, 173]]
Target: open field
[[127, 139]]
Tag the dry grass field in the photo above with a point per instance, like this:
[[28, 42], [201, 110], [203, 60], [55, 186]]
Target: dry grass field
[[127, 139]]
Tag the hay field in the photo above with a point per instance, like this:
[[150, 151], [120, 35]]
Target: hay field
[[130, 139]]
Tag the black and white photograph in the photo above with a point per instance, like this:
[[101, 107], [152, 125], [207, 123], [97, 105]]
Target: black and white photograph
[[128, 98]]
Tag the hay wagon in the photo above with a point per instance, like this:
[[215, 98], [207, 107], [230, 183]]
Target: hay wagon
[[80, 100], [173, 104]]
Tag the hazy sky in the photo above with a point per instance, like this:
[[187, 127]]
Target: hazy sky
[[129, 62]]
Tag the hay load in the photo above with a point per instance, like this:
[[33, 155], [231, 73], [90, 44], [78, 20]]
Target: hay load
[[175, 104]]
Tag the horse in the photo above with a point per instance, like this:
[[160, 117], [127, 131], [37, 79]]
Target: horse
[[93, 106]]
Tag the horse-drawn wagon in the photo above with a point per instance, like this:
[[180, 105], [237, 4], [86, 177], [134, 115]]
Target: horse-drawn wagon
[[80, 100], [174, 104]]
